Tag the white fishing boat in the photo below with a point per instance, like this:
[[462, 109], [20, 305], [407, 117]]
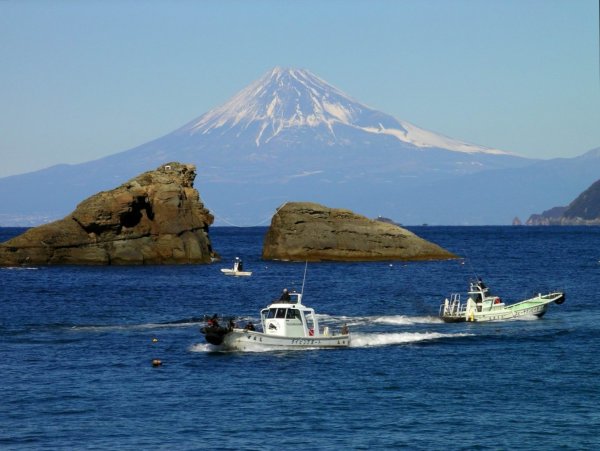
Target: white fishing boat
[[237, 269], [285, 324], [481, 305]]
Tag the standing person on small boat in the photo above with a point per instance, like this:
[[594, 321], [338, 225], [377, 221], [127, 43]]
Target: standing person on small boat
[[238, 265], [237, 270]]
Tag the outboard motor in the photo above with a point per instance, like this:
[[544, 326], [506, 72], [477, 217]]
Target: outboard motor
[[213, 333]]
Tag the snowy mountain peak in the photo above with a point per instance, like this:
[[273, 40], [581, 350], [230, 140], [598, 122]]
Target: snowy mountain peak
[[285, 100]]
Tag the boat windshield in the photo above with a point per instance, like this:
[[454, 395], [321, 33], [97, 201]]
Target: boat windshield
[[293, 314], [283, 313]]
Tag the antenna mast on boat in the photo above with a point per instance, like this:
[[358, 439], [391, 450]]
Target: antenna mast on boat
[[304, 278]]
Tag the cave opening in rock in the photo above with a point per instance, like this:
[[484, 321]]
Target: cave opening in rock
[[134, 216]]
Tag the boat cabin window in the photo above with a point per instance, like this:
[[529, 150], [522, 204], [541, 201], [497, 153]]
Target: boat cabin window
[[284, 313], [276, 313], [280, 313], [293, 314]]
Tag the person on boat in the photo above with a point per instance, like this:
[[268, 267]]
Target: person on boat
[[237, 264], [249, 326], [345, 329], [231, 324], [212, 322], [478, 296], [481, 284], [285, 296]]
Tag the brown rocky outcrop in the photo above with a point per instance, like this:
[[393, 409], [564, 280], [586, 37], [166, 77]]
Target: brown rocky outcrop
[[584, 210], [303, 231], [154, 218]]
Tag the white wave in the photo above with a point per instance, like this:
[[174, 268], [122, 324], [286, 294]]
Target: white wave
[[205, 347], [202, 347], [20, 268], [398, 320], [356, 341], [372, 340], [526, 318], [407, 320]]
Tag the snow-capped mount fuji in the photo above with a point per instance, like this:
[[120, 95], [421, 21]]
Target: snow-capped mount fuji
[[291, 124], [290, 136], [288, 99]]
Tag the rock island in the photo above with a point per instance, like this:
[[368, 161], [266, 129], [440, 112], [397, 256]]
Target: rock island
[[154, 218], [305, 231]]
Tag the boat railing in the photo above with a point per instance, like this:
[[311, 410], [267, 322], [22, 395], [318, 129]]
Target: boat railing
[[453, 306]]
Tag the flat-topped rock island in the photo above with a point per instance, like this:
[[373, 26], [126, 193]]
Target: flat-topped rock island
[[306, 231]]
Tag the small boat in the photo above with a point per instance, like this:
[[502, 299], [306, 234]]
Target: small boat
[[481, 305], [237, 269], [285, 324]]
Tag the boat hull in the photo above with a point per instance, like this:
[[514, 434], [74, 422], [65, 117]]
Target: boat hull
[[231, 272], [215, 334], [246, 340], [531, 307]]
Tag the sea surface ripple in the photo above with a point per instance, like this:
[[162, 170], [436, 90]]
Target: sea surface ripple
[[77, 345]]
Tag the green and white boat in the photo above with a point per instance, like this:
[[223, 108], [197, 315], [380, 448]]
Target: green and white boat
[[481, 305]]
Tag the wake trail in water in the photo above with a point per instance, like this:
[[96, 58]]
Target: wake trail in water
[[202, 347], [360, 340], [373, 340], [19, 268], [394, 320], [407, 320]]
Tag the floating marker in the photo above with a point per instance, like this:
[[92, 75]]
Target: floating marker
[[156, 362]]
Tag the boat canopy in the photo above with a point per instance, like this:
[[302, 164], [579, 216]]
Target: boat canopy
[[289, 318]]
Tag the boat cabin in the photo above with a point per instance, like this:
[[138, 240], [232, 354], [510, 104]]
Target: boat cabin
[[290, 318], [484, 300]]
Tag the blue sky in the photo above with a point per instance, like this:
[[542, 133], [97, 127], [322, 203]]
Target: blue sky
[[84, 79]]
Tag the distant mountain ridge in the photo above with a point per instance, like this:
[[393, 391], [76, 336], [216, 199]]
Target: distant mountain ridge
[[584, 210], [290, 136]]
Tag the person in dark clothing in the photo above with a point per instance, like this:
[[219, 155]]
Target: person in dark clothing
[[285, 296]]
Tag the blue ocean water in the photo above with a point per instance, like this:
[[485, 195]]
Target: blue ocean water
[[76, 346]]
